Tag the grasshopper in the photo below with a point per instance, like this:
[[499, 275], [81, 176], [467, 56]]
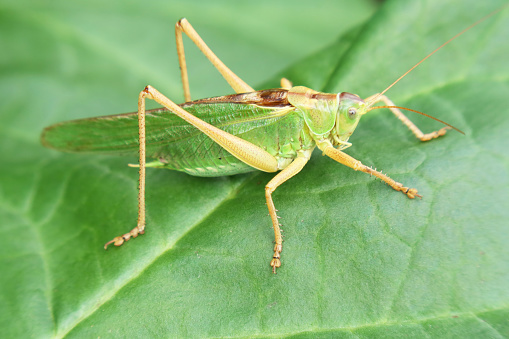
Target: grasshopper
[[269, 130]]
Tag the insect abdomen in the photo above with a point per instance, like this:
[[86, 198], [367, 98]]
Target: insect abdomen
[[281, 136]]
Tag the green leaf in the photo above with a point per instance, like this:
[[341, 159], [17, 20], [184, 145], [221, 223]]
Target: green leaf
[[359, 259]]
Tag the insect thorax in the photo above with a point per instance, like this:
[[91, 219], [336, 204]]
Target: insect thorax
[[329, 117]]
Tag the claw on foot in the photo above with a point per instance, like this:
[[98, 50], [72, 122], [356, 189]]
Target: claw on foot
[[436, 134], [276, 259], [409, 192], [275, 263], [118, 241]]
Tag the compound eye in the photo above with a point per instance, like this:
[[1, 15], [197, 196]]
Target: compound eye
[[352, 112]]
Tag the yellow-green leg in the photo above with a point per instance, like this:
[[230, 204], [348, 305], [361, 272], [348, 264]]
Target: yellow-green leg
[[238, 85], [291, 170], [411, 126], [349, 161], [286, 84], [140, 227]]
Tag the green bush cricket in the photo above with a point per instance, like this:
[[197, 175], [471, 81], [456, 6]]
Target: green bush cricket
[[268, 130]]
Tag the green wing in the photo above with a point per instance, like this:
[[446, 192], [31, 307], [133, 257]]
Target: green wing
[[175, 143]]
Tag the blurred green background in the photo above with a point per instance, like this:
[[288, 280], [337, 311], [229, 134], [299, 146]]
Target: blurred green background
[[359, 260]]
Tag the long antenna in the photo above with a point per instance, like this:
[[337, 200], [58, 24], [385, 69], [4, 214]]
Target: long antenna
[[375, 99]]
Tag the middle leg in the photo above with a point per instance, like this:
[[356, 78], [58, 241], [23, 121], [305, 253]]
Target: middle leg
[[292, 169]]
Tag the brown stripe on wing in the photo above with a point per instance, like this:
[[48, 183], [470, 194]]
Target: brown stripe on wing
[[267, 98]]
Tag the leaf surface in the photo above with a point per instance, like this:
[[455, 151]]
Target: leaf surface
[[359, 259]]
